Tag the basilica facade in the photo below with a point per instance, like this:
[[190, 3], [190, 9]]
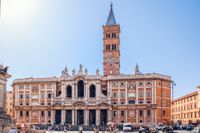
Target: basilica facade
[[84, 99]]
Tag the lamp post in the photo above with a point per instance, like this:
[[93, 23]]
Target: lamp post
[[173, 84]]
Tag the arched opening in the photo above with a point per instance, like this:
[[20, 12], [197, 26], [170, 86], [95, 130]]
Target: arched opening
[[81, 88], [131, 102], [92, 91], [69, 91]]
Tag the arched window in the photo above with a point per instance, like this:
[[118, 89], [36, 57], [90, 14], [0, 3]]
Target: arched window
[[92, 91], [131, 102], [80, 88], [69, 91]]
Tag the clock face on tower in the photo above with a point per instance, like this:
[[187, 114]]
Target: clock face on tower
[[111, 60]]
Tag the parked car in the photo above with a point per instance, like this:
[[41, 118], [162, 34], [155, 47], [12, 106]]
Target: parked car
[[184, 126], [189, 127], [196, 130], [160, 127], [168, 129], [146, 130], [127, 127]]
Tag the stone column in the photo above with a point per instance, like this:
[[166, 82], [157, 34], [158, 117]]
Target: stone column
[[97, 117], [30, 117], [63, 112], [137, 117], [85, 90], [109, 115], [46, 115], [52, 117], [145, 116], [145, 95], [152, 116], [86, 117], [126, 115], [39, 116], [74, 91], [73, 116], [118, 96], [136, 94]]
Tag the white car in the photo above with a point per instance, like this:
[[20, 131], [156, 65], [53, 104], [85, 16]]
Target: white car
[[127, 127], [196, 130]]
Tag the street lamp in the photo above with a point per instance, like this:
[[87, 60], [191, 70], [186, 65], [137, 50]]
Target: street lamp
[[173, 84]]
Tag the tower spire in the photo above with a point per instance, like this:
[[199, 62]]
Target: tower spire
[[137, 70], [111, 17]]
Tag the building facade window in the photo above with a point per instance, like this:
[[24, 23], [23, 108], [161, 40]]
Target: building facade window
[[107, 47], [49, 113], [141, 113], [114, 113], [114, 35], [148, 112], [115, 95], [122, 113], [140, 94], [107, 35], [27, 113], [49, 96], [81, 88], [20, 113], [92, 91], [42, 96], [114, 47], [20, 96], [69, 91], [131, 102], [148, 93], [122, 94], [163, 112], [42, 113]]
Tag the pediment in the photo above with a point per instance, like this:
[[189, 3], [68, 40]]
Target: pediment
[[79, 103], [103, 104]]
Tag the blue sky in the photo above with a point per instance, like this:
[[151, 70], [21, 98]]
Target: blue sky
[[38, 38]]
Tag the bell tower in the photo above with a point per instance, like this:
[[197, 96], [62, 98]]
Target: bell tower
[[111, 46]]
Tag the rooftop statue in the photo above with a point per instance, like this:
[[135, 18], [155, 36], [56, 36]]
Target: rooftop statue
[[65, 72]]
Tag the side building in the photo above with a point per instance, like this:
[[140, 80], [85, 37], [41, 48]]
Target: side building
[[9, 104], [84, 99], [4, 119], [186, 109]]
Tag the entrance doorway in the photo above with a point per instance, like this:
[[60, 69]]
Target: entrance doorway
[[80, 117], [92, 117], [57, 116], [103, 117], [68, 116]]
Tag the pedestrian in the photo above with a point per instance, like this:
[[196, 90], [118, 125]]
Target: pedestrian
[[13, 130], [140, 129]]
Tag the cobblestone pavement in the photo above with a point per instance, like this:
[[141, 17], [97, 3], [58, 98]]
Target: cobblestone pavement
[[175, 131]]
